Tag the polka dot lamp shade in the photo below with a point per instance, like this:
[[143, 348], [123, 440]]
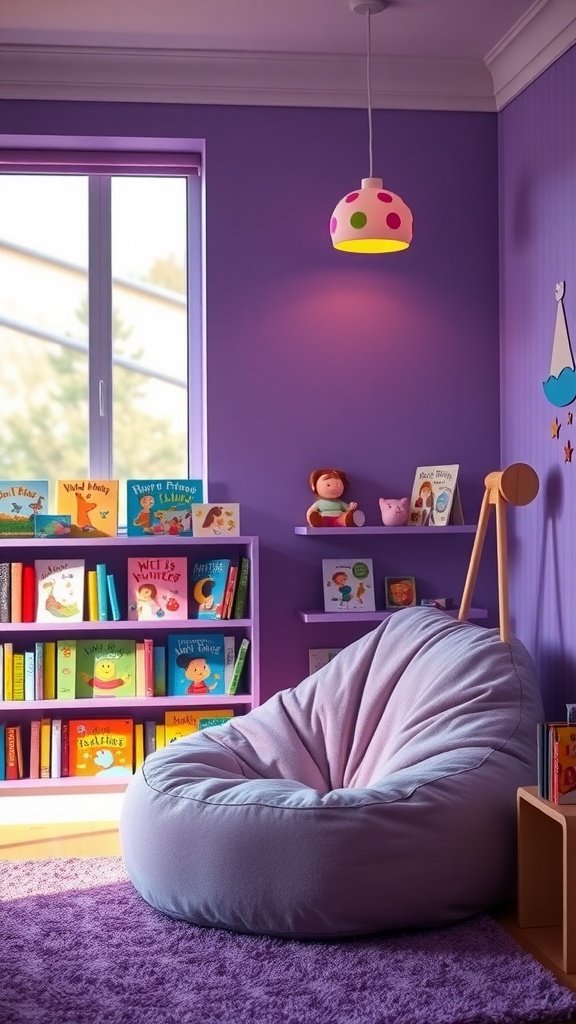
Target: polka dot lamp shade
[[372, 219]]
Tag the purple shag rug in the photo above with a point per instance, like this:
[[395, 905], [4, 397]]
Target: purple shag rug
[[80, 946]]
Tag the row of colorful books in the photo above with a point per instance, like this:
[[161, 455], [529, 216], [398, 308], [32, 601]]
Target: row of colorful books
[[189, 664], [556, 742], [54, 747], [157, 589], [89, 508]]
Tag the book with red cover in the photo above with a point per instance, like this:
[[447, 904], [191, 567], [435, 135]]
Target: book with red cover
[[28, 593], [101, 746]]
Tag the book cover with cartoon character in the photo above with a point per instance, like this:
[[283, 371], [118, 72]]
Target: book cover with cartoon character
[[91, 504], [106, 668], [101, 746], [161, 507], [59, 589], [20, 501], [196, 664], [157, 588]]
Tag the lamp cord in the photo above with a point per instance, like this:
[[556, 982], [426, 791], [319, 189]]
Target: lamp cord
[[369, 91]]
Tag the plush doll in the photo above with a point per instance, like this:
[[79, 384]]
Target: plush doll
[[394, 511], [329, 509]]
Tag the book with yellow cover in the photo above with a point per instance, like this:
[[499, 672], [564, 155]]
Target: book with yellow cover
[[45, 747], [92, 505], [101, 746], [182, 723]]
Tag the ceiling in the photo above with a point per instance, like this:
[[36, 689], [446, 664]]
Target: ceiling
[[428, 54]]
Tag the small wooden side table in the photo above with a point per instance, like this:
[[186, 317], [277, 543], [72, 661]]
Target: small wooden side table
[[547, 876]]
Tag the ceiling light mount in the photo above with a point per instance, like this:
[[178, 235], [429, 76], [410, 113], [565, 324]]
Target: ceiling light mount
[[372, 218], [368, 6]]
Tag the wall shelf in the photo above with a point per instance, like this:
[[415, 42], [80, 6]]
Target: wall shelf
[[377, 616], [383, 531]]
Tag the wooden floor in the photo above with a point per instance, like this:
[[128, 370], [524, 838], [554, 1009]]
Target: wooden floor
[[101, 839]]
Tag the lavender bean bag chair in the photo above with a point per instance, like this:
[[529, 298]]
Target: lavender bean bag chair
[[377, 794]]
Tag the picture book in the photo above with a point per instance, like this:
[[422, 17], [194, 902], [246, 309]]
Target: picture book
[[156, 507], [208, 586], [216, 520], [105, 668], [65, 669], [196, 664], [101, 746], [157, 588], [435, 499], [234, 683], [20, 501], [399, 591], [348, 585], [564, 764], [320, 656], [182, 723], [59, 589], [91, 504], [241, 593], [52, 526]]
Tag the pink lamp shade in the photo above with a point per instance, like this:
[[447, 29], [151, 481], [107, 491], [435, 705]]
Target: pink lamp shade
[[372, 219]]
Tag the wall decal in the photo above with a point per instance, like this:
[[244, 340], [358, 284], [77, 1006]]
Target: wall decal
[[568, 452], [560, 388], [555, 427], [569, 417]]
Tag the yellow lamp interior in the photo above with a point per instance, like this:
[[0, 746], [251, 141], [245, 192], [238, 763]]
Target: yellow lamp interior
[[370, 245]]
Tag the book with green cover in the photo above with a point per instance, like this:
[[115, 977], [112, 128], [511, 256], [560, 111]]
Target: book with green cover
[[106, 668]]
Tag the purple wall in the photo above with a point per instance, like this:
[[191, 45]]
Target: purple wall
[[538, 248], [374, 364]]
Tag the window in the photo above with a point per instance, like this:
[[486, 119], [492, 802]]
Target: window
[[101, 316]]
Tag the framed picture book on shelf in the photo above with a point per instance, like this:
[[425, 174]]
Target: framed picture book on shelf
[[435, 499], [157, 588], [348, 585], [158, 507], [399, 592], [20, 501], [91, 504]]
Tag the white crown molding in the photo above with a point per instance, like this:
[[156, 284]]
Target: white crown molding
[[546, 31], [244, 78], [240, 78]]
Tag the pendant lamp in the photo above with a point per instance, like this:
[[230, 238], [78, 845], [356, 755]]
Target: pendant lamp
[[371, 218]]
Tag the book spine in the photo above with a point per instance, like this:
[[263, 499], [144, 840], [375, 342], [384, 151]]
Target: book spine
[[8, 670], [18, 674], [149, 738], [65, 669], [2, 691], [50, 670], [92, 588], [29, 693], [160, 735], [238, 666], [159, 670], [2, 751], [45, 733], [39, 670], [35, 749], [229, 592], [229, 659], [4, 591], [28, 593], [56, 748], [140, 669], [242, 589], [65, 753], [16, 591], [148, 667], [101, 575], [138, 745], [11, 753], [113, 597]]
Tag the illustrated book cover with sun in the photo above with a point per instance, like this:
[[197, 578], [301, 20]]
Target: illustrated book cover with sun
[[158, 507], [196, 664], [20, 501], [101, 746], [157, 588], [106, 668], [435, 499], [208, 587], [91, 504], [59, 589]]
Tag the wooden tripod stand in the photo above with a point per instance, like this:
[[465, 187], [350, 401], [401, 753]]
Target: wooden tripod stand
[[517, 485]]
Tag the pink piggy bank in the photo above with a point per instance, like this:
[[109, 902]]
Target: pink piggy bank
[[394, 511]]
